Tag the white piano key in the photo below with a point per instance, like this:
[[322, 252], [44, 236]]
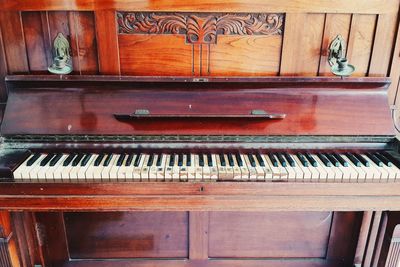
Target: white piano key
[[355, 173], [198, 168], [83, 169], [306, 172], [323, 174], [237, 173], [59, 167], [229, 169], [245, 173], [105, 172], [176, 169], [222, 175], [299, 174], [113, 173], [168, 169], [252, 170], [123, 169], [276, 171], [51, 171], [35, 168], [161, 168], [373, 174], [214, 168], [22, 172], [191, 168], [183, 171], [153, 169], [144, 170]]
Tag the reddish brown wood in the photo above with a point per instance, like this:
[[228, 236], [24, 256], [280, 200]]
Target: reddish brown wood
[[83, 36], [264, 235], [309, 110], [341, 6], [14, 42], [36, 49], [3, 69], [107, 41]]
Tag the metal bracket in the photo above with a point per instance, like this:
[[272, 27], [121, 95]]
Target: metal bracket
[[61, 61], [337, 58]]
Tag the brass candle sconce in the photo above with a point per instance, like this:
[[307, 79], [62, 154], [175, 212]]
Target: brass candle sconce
[[61, 51], [337, 58]]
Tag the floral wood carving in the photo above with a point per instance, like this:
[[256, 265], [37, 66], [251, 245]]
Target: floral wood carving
[[200, 28]]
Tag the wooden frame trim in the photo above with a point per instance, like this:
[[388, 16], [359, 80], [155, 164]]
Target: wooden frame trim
[[323, 6]]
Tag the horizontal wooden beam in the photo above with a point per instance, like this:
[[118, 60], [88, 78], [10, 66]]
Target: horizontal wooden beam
[[290, 6], [199, 203]]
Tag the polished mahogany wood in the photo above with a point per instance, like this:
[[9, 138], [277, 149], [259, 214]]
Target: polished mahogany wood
[[342, 6], [310, 108]]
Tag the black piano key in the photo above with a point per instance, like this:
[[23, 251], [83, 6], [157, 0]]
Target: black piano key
[[251, 159], [99, 159], [46, 159], [376, 160], [159, 160], [180, 160], [341, 160], [332, 159], [129, 160], [273, 159], [78, 159], [107, 160], [260, 160], [324, 160], [201, 160], [353, 159], [289, 159], [188, 160], [120, 159], [384, 159], [281, 159], [150, 160], [222, 160], [209, 159], [231, 162], [56, 158], [69, 159], [86, 159], [239, 160], [361, 159], [311, 159], [392, 159], [171, 160], [137, 160], [302, 159], [33, 159]]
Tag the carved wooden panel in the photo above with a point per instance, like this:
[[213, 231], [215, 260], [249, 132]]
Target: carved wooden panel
[[241, 44]]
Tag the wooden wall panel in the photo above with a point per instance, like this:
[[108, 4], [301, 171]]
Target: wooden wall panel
[[35, 43], [14, 42], [360, 42], [83, 36], [156, 55], [383, 44], [3, 69], [335, 24], [107, 41], [245, 56], [100, 235], [259, 235], [302, 44]]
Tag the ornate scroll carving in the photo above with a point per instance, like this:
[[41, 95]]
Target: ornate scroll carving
[[200, 28]]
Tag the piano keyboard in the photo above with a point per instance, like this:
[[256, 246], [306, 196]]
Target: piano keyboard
[[272, 166]]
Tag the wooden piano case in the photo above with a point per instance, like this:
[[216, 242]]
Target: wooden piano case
[[185, 54]]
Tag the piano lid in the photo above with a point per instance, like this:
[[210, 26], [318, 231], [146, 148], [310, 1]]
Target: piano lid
[[53, 105]]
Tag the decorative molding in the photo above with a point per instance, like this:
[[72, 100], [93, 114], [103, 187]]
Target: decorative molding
[[200, 28]]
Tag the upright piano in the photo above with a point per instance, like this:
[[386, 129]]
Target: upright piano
[[150, 171]]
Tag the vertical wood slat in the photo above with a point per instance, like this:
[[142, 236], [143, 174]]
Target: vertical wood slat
[[373, 236], [83, 36], [302, 44], [395, 72], [341, 244], [14, 42], [198, 235], [383, 45], [3, 70], [393, 257], [363, 238], [10, 249], [107, 41], [360, 42], [35, 46], [335, 24]]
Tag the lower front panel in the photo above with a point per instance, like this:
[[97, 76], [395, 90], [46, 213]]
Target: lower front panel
[[193, 238]]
